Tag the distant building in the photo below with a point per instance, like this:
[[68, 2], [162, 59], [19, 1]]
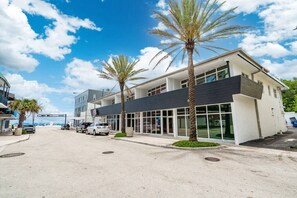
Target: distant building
[[237, 100], [5, 113], [84, 104]]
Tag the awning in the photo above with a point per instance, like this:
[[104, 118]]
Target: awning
[[2, 105], [7, 117]]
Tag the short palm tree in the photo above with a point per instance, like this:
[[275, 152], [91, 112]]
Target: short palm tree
[[122, 71], [35, 108], [193, 25], [24, 107]]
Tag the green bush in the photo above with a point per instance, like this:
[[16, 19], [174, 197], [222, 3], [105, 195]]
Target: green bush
[[120, 134], [187, 143], [24, 132]]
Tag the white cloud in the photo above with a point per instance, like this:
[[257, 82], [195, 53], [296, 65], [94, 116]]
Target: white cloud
[[161, 26], [285, 70], [19, 42], [279, 20], [145, 57], [161, 4], [32, 89], [81, 75], [245, 6]]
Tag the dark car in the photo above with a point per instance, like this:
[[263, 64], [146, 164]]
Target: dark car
[[29, 128], [83, 127], [65, 127]]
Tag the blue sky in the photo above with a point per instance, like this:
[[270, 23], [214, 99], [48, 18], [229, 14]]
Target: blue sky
[[50, 49]]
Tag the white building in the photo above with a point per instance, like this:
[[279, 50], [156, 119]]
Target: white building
[[237, 101]]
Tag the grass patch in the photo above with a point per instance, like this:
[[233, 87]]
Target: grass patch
[[187, 143], [120, 134]]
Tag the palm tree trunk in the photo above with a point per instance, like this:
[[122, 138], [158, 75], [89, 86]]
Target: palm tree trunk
[[21, 120], [33, 118], [123, 126], [192, 101]]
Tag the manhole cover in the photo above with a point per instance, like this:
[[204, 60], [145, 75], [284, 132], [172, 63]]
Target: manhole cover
[[107, 152], [212, 159], [11, 155]]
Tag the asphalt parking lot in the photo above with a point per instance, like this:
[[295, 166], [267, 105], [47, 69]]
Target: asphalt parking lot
[[286, 141], [60, 163]]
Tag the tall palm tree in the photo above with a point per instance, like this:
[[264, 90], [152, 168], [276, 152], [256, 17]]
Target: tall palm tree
[[24, 107], [122, 71], [192, 25]]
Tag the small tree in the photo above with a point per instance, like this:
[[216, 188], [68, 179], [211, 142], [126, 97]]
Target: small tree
[[24, 107], [122, 71]]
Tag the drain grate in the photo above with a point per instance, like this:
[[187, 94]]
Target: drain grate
[[212, 159], [107, 152], [11, 155]]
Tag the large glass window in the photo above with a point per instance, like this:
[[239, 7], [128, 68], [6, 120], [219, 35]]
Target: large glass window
[[227, 125], [202, 126], [214, 126], [152, 122], [210, 76], [212, 121], [157, 90]]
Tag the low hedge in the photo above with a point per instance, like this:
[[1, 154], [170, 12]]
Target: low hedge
[[187, 143], [120, 134]]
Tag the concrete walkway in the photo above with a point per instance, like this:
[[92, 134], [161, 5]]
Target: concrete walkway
[[11, 139], [167, 141]]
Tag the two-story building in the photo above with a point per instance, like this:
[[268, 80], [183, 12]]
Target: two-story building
[[237, 101], [5, 113], [84, 104]]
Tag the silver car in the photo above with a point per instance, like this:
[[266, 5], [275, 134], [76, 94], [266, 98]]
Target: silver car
[[98, 128], [29, 128]]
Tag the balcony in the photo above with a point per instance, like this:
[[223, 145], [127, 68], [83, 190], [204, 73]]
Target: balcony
[[3, 100], [221, 91]]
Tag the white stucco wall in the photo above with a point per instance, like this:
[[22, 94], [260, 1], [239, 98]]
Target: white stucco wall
[[270, 108], [244, 119]]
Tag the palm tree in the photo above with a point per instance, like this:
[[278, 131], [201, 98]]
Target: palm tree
[[24, 108], [192, 25], [122, 71], [35, 108]]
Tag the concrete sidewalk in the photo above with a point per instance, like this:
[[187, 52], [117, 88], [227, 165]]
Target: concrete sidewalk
[[167, 141], [11, 139]]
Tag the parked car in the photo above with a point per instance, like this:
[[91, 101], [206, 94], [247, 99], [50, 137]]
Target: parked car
[[29, 128], [65, 127], [83, 127], [98, 128]]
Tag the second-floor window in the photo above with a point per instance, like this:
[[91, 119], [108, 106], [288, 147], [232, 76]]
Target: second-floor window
[[157, 90], [210, 76], [130, 96], [269, 91], [275, 93]]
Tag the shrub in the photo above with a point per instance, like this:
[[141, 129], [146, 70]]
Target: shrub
[[187, 143], [120, 134], [24, 132]]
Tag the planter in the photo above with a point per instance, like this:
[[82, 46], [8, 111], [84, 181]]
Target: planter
[[129, 131], [18, 131]]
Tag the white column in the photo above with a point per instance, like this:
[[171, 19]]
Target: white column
[[235, 127], [161, 121], [141, 122], [175, 127]]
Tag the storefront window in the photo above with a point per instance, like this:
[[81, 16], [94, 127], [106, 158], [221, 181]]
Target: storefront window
[[202, 126], [214, 126], [228, 132]]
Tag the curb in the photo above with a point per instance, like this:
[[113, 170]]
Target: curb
[[173, 147], [15, 142]]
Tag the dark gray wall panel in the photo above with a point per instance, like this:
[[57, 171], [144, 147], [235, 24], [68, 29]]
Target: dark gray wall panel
[[210, 93]]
